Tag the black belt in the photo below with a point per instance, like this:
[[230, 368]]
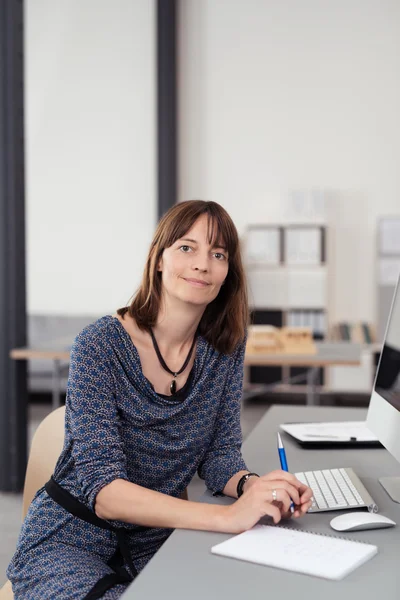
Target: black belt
[[122, 554]]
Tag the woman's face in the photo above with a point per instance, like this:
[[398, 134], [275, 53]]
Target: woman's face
[[192, 270]]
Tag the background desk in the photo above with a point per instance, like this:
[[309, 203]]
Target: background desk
[[184, 568], [58, 351], [328, 354]]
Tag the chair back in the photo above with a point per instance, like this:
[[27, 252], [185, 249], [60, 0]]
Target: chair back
[[47, 443], [45, 449]]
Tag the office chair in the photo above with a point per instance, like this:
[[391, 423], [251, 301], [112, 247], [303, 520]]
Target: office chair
[[46, 447]]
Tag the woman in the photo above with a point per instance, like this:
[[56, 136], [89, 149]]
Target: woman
[[154, 395]]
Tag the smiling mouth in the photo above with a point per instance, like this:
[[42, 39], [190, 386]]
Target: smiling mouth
[[197, 282]]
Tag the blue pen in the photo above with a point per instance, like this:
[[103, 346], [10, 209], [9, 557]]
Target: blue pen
[[282, 458]]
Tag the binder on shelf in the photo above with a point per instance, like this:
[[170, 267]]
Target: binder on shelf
[[314, 319], [264, 245], [321, 323], [368, 336], [344, 329], [304, 246], [360, 333]]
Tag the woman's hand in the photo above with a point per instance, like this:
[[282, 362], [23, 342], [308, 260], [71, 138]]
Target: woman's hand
[[259, 499]]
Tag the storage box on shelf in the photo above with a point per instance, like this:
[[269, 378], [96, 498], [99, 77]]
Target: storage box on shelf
[[265, 339]]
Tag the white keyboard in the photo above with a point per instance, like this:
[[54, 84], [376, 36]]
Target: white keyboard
[[336, 489]]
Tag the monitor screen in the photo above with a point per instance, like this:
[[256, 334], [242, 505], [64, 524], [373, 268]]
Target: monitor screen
[[383, 417], [387, 382]]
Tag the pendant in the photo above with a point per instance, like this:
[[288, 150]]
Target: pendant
[[172, 387]]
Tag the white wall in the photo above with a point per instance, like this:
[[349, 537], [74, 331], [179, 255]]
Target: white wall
[[284, 95], [90, 151]]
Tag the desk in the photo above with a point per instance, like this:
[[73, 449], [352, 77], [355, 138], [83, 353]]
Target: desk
[[184, 568], [58, 351], [329, 354]]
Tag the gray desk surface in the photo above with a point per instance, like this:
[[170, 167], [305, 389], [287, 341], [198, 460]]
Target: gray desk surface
[[185, 569], [328, 353]]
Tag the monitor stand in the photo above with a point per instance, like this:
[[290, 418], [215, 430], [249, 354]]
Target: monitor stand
[[392, 487]]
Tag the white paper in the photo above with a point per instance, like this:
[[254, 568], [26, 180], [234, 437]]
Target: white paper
[[303, 246], [263, 245], [340, 431]]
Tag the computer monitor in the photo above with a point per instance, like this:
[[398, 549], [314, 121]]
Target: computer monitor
[[384, 409]]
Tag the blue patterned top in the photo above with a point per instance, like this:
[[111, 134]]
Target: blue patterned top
[[117, 426]]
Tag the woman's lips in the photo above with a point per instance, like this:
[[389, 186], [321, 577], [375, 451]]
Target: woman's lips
[[197, 282]]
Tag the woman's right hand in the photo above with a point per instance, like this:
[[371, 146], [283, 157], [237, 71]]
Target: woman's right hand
[[258, 501]]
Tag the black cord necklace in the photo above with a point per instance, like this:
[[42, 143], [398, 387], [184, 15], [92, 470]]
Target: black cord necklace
[[172, 386]]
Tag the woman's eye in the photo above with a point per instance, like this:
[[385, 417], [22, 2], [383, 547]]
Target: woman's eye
[[219, 256], [185, 248]]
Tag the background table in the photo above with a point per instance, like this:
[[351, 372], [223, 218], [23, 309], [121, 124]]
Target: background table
[[57, 351], [328, 354], [184, 568]]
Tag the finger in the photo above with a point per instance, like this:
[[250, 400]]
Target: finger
[[272, 511], [297, 512], [306, 494], [305, 507], [290, 489], [283, 475], [283, 497]]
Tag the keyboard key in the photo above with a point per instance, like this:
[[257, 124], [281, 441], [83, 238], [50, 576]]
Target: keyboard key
[[321, 503], [351, 486], [344, 488], [332, 489], [340, 500]]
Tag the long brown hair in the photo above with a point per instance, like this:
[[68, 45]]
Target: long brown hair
[[225, 319]]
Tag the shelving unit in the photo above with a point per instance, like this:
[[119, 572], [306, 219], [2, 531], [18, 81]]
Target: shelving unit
[[361, 379], [388, 268], [287, 270]]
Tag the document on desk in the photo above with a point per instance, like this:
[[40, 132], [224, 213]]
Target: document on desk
[[297, 550], [335, 431]]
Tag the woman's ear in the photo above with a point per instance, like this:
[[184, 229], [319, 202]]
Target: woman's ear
[[160, 264]]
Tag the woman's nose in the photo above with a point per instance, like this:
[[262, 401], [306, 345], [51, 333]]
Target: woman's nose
[[200, 263]]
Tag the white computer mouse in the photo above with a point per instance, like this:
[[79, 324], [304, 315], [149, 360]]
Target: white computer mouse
[[355, 521]]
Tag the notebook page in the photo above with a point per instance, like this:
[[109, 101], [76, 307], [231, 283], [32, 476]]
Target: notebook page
[[295, 550]]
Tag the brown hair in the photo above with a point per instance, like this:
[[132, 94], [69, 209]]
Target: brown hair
[[225, 319]]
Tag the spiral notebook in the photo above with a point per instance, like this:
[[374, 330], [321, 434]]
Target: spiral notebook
[[305, 552]]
